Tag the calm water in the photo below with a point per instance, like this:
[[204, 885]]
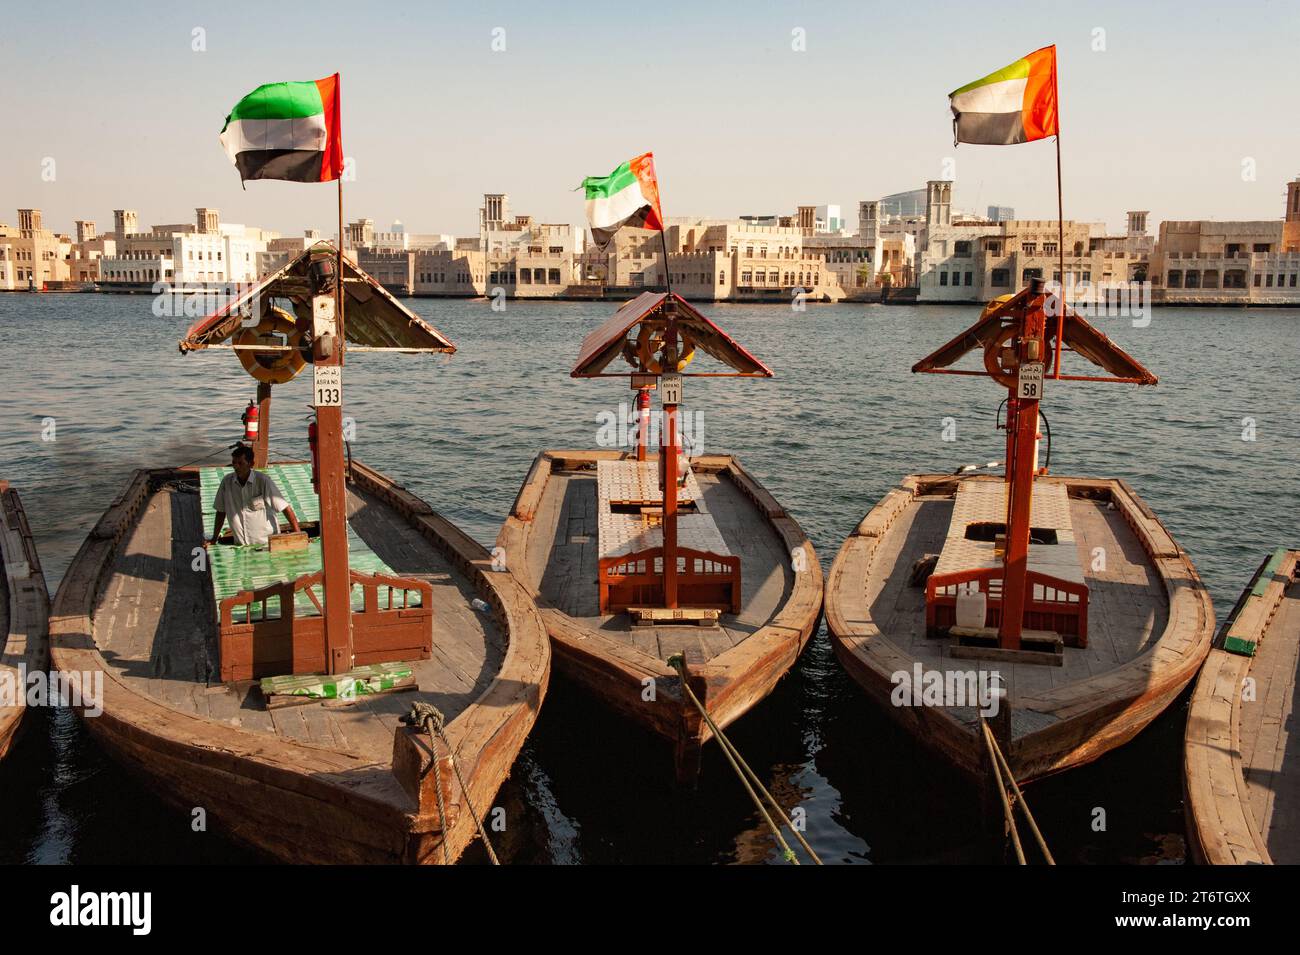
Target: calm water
[[839, 425]]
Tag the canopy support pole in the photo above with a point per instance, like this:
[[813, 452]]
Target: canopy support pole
[[668, 467], [1022, 437], [337, 582], [261, 445]]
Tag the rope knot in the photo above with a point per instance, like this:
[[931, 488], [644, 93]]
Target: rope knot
[[425, 716]]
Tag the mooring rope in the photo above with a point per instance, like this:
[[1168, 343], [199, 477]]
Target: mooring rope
[[430, 719], [1004, 776], [224, 448], [743, 770]]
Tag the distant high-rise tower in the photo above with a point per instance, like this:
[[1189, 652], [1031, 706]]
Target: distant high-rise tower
[[1001, 213], [938, 203], [1137, 223], [208, 221], [125, 222], [29, 221], [85, 230]]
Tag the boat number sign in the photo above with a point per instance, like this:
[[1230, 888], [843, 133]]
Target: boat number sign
[[328, 386], [1031, 380], [670, 389]]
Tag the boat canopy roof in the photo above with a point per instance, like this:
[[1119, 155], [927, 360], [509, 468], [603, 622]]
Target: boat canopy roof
[[605, 344], [373, 317], [1080, 337]]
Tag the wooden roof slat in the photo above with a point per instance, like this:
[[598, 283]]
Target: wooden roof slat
[[1080, 337], [605, 343], [373, 317]]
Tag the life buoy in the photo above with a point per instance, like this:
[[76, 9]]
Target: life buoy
[[649, 344], [1003, 375], [277, 327]]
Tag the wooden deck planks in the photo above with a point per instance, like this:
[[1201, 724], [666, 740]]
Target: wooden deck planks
[[1128, 604], [1270, 746], [562, 552], [1149, 631]]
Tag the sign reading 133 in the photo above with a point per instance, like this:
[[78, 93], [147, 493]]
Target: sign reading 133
[[327, 386]]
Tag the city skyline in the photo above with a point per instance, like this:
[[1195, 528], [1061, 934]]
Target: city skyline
[[444, 116]]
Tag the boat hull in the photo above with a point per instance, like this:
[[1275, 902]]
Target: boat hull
[[296, 801], [1059, 727], [632, 679], [1238, 782], [24, 643]]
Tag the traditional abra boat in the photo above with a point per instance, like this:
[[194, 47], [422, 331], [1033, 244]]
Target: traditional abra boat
[[260, 683], [636, 585], [1069, 592], [24, 608], [1241, 756]]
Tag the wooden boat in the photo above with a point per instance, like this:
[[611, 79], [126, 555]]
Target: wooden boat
[[24, 607], [1241, 755], [589, 532], [1067, 591], [225, 682]]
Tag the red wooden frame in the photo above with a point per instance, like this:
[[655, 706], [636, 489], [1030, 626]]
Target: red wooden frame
[[1055, 612], [704, 579], [388, 628]]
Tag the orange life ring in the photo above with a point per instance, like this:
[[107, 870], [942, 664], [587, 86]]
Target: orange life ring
[[993, 355], [277, 327], [650, 343]]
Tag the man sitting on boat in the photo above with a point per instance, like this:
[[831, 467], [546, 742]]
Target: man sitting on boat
[[250, 499]]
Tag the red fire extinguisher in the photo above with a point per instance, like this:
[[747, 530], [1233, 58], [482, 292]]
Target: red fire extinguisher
[[249, 418], [315, 456]]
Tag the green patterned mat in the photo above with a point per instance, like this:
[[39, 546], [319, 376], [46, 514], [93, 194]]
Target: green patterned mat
[[237, 568]]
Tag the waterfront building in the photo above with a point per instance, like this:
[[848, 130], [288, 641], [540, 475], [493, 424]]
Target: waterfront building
[[184, 255], [1224, 263], [31, 255], [723, 260], [1291, 221], [976, 260], [85, 253]]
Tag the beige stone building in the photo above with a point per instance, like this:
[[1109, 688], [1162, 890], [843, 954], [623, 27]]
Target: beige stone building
[[976, 260], [1224, 263], [31, 255], [183, 255], [722, 260]]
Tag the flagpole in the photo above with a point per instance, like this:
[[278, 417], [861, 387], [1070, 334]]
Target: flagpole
[[1060, 225], [668, 276], [332, 489], [338, 284]]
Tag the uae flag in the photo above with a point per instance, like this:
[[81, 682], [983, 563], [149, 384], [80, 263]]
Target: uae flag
[[287, 131], [1017, 104], [628, 196]]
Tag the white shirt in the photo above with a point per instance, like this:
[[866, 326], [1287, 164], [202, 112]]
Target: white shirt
[[251, 507]]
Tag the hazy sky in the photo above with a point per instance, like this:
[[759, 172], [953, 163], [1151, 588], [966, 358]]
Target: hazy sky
[[739, 122]]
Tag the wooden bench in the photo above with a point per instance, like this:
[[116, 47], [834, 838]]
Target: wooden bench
[[971, 563], [630, 540]]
